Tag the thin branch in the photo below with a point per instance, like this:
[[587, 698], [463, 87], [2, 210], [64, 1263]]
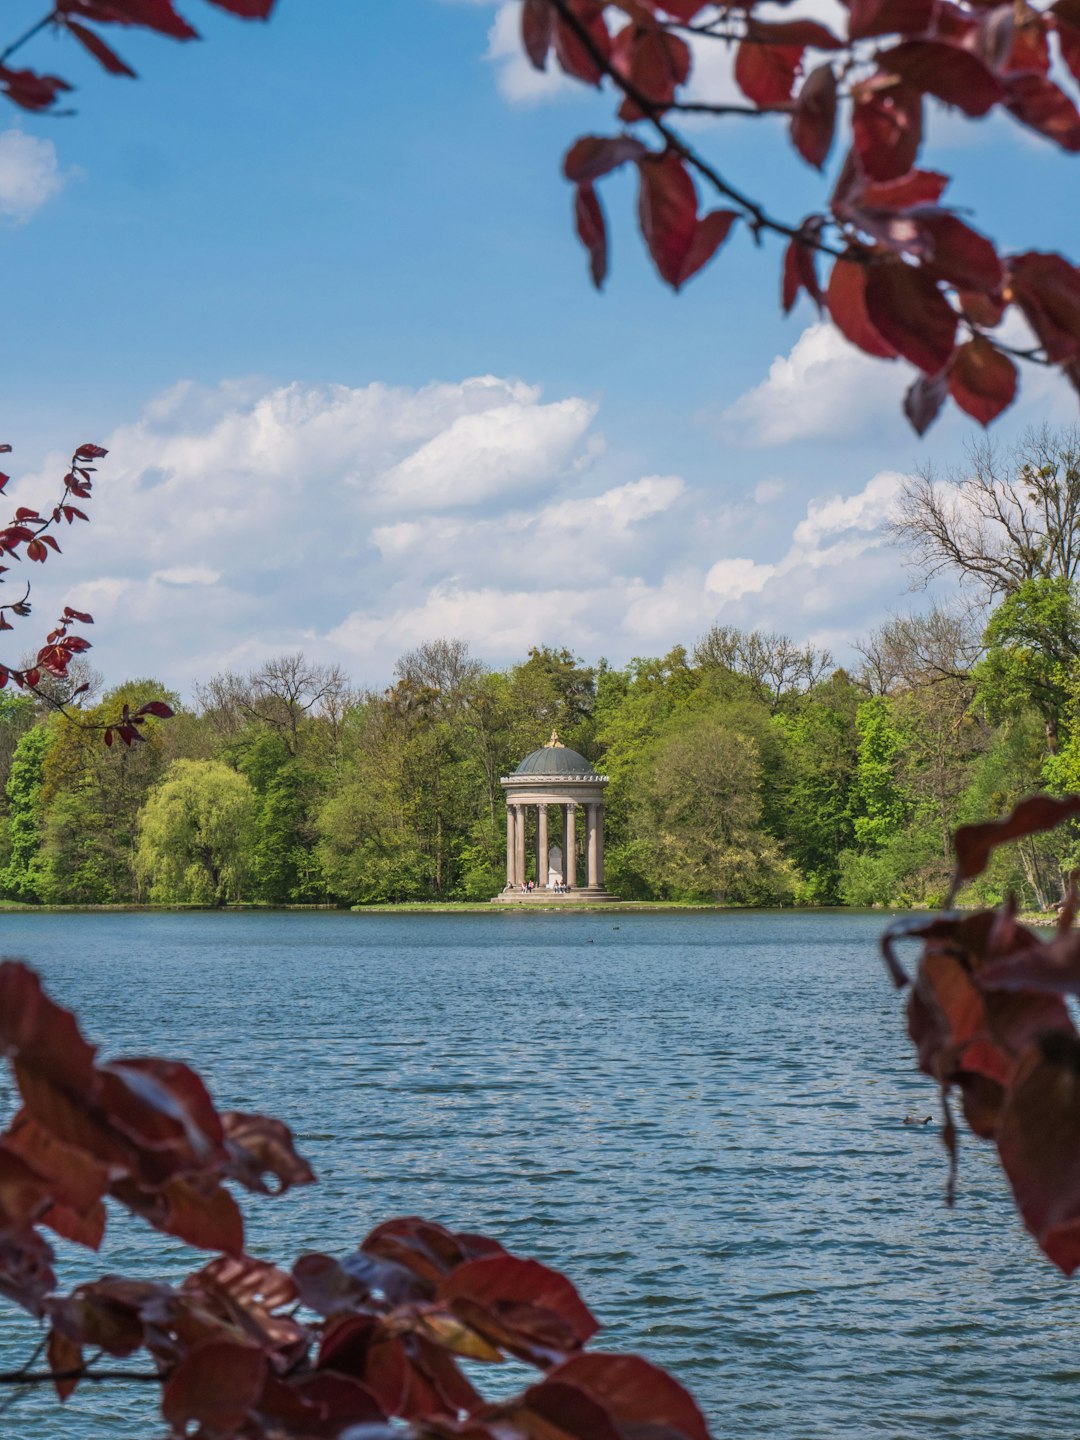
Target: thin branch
[[759, 217], [43, 24], [49, 1377]]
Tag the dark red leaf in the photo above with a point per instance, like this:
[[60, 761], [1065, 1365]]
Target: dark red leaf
[[1038, 103], [846, 299], [214, 1386], [158, 708], [766, 73], [799, 273], [568, 1410], [654, 61], [595, 155], [31, 90], [592, 231], [514, 1302], [910, 312], [634, 1393], [100, 51], [917, 187], [204, 1214], [982, 380], [575, 57], [64, 1356], [247, 9], [813, 123], [1038, 1140], [959, 254], [710, 232], [1066, 14], [976, 843], [924, 400], [537, 31], [667, 212], [1047, 289], [887, 127], [946, 70], [808, 34], [259, 1145], [159, 15]]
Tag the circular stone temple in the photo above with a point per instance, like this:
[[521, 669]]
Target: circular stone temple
[[543, 797]]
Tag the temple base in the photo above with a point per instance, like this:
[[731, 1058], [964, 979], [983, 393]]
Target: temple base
[[550, 897]]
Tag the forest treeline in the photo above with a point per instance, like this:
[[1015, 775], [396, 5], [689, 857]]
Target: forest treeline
[[743, 767]]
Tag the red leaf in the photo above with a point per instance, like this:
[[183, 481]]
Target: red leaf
[[39, 1034], [1047, 289], [63, 1356], [592, 231], [573, 55], [910, 312], [88, 1229], [918, 187], [537, 31], [710, 233], [667, 211], [924, 399], [259, 1145], [519, 1304], [800, 273], [1066, 13], [634, 1393], [814, 122], [1038, 103], [946, 70], [568, 1411], [215, 1385], [80, 615], [30, 90], [100, 51], [1038, 1139], [976, 843], [246, 9], [766, 73], [887, 128], [36, 550], [958, 253], [158, 708], [595, 155], [847, 305], [867, 18], [809, 34], [159, 15], [203, 1214], [655, 62], [982, 380], [90, 452]]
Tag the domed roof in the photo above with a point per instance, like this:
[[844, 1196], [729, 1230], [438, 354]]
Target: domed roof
[[555, 759]]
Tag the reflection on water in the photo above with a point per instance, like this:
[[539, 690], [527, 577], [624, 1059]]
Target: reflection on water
[[697, 1116]]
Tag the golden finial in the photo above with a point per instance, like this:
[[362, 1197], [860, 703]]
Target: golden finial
[[554, 743]]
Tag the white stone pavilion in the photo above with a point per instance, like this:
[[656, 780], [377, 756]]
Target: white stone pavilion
[[545, 796]]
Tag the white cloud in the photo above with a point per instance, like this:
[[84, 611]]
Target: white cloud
[[865, 511], [518, 81], [495, 452], [825, 387], [188, 575], [30, 174], [732, 579]]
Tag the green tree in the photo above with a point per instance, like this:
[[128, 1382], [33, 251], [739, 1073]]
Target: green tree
[[195, 834], [701, 817], [21, 879], [1032, 642]]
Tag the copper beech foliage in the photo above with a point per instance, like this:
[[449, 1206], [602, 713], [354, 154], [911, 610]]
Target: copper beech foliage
[[245, 1348], [29, 535], [988, 1016], [899, 272]]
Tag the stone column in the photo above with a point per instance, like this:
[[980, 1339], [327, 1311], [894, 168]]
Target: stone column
[[519, 844], [541, 847], [591, 853], [600, 845], [509, 844], [570, 851]]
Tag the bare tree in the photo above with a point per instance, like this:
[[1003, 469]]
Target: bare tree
[[435, 678], [910, 651], [1004, 519], [775, 663], [281, 693]]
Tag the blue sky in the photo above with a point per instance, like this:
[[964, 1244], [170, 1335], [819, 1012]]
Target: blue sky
[[271, 275]]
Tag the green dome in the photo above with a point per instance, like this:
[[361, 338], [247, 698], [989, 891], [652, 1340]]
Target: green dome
[[555, 760]]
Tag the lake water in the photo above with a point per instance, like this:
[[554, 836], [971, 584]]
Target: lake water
[[697, 1116]]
